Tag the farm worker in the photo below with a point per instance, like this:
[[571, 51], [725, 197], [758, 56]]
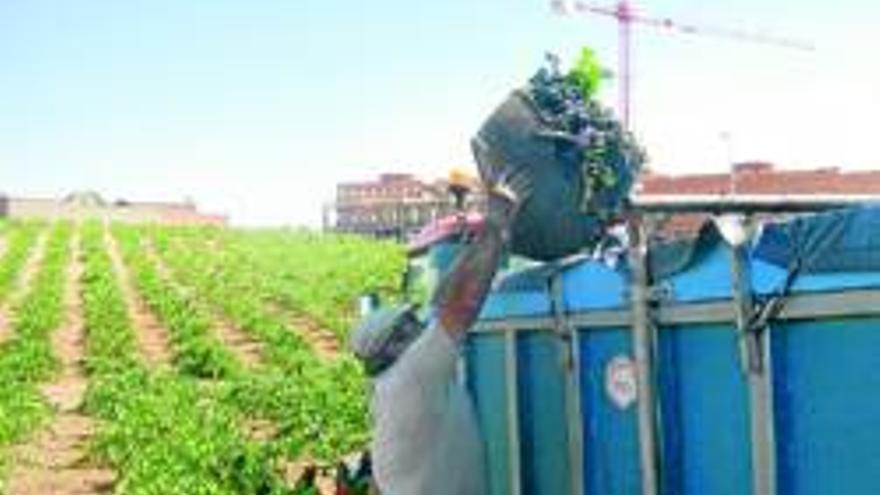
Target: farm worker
[[426, 440]]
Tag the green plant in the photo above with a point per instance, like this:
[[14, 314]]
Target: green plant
[[26, 359], [161, 431], [587, 73], [184, 429]]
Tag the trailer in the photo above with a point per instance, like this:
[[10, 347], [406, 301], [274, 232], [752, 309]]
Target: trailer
[[727, 365]]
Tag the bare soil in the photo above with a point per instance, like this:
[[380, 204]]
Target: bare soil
[[323, 340], [261, 430], [245, 348], [152, 336], [291, 471], [56, 460]]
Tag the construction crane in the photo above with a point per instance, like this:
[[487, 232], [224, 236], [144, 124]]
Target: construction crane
[[626, 16]]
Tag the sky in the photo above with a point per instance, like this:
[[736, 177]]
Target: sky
[[257, 109]]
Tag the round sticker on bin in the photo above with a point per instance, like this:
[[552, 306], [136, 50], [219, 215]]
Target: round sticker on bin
[[620, 381]]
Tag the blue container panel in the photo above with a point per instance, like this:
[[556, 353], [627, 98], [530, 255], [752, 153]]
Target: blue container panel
[[769, 279], [486, 381], [515, 304], [704, 400], [707, 281], [611, 445], [592, 285], [542, 415], [827, 399]]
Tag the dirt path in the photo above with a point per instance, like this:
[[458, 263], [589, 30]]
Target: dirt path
[[55, 460], [244, 347], [22, 282], [152, 337], [322, 340], [292, 471]]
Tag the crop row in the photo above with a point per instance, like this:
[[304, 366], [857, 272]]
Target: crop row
[[315, 410], [318, 407], [20, 239], [163, 431], [320, 275], [186, 429], [323, 275], [197, 351], [27, 358]]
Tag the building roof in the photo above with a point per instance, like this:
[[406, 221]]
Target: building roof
[[755, 178], [764, 178], [385, 179]]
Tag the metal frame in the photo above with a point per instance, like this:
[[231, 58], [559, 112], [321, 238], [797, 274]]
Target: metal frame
[[851, 303], [762, 424], [856, 302], [569, 353], [643, 353], [756, 365], [576, 430], [510, 371]]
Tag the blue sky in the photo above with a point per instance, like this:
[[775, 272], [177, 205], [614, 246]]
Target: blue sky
[[256, 109]]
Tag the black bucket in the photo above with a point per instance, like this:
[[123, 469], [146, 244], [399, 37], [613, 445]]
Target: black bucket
[[552, 223]]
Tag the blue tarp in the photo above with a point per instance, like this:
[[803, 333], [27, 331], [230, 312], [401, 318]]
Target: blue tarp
[[831, 251], [837, 241]]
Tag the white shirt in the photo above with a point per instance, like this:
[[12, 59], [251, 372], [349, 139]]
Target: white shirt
[[426, 440]]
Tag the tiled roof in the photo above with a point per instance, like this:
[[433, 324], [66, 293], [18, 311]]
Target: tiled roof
[[756, 178], [763, 178]]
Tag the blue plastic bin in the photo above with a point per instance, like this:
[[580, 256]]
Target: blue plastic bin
[[548, 365]]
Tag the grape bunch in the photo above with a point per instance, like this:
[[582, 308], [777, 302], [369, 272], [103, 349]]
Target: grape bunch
[[589, 136]]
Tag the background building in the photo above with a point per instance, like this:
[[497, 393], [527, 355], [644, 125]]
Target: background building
[[398, 205], [754, 178], [395, 205], [83, 205]]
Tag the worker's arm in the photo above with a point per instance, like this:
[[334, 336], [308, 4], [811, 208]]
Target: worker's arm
[[461, 292]]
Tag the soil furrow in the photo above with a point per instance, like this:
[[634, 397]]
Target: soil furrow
[[323, 341], [56, 460], [152, 337], [294, 471], [243, 346]]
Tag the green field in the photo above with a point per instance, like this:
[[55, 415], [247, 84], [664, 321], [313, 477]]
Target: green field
[[174, 360]]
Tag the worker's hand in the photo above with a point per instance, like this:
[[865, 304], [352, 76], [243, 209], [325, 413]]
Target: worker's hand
[[506, 196]]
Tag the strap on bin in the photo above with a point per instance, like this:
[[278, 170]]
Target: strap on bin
[[759, 317]]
